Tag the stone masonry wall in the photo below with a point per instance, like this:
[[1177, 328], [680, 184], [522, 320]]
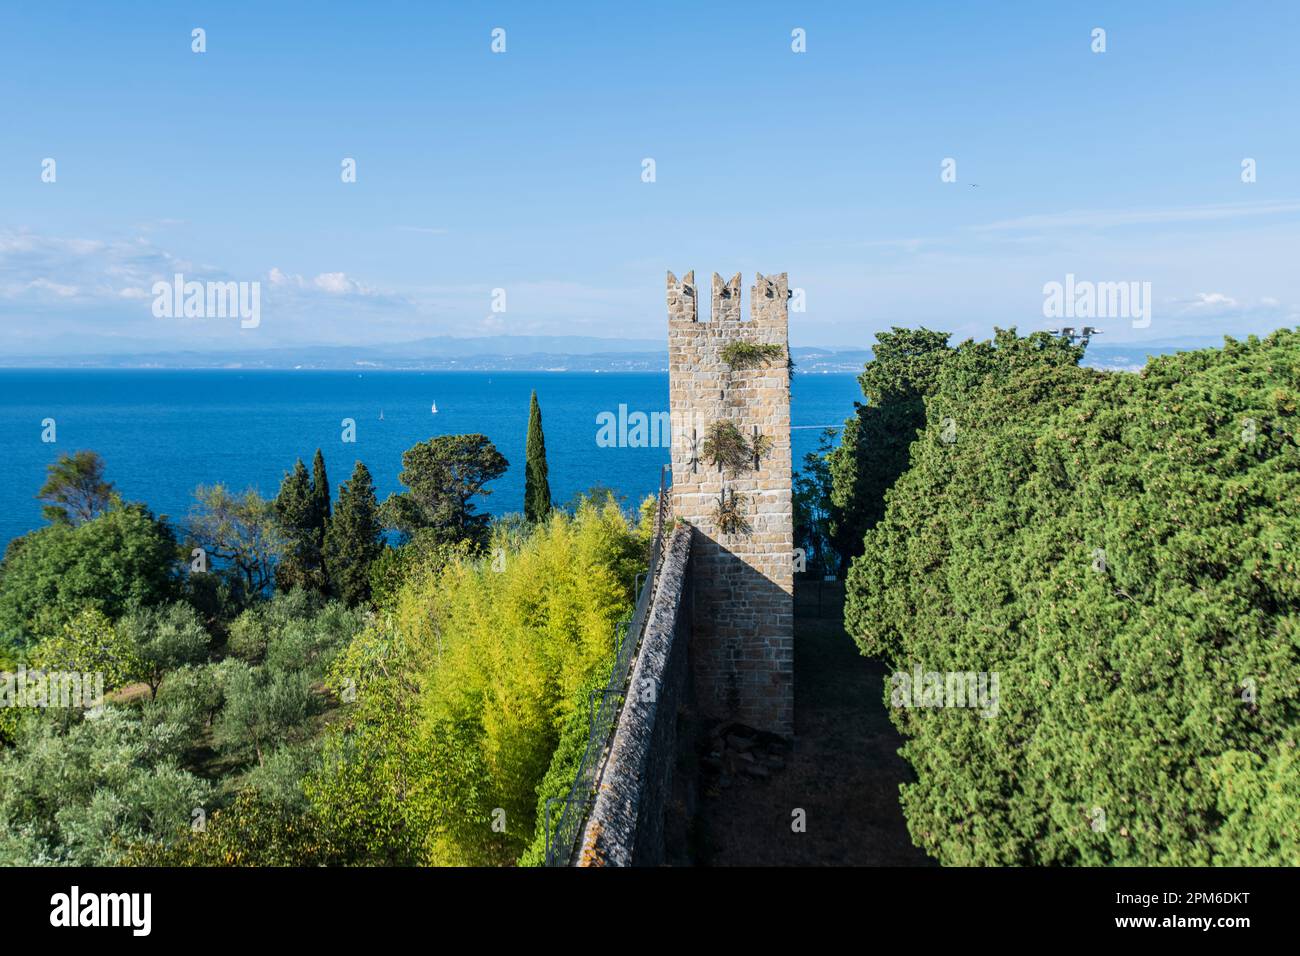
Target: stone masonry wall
[[742, 645], [626, 826]]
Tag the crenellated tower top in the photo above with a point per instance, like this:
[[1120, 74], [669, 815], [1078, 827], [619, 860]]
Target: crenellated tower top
[[768, 302]]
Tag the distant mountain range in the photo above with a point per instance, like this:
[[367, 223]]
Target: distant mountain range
[[532, 353], [561, 353]]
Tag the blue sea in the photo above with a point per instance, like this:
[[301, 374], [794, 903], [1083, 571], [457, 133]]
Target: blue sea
[[163, 432]]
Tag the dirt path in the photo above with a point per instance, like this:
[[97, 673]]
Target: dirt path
[[843, 771]]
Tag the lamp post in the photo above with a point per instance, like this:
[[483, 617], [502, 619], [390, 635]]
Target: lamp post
[[1082, 336]]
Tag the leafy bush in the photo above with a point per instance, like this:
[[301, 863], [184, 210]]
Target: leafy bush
[[190, 698], [463, 690], [252, 831], [278, 780], [558, 781], [122, 559], [80, 797], [264, 708], [1122, 551], [309, 645], [90, 644], [252, 631], [164, 638], [424, 552], [295, 630]]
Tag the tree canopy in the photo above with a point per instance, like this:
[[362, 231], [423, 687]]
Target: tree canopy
[[120, 559], [75, 490], [355, 538], [242, 530], [1121, 551], [462, 692], [442, 476], [874, 445]]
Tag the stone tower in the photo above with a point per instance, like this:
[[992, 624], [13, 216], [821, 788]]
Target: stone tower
[[729, 389]]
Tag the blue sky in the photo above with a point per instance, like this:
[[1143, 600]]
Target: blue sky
[[523, 170]]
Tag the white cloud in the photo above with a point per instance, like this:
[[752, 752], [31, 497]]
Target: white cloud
[[337, 283], [59, 289], [333, 283], [76, 294], [1214, 300], [33, 267], [1219, 306], [279, 278]]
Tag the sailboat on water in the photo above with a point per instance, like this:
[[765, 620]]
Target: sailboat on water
[[434, 409]]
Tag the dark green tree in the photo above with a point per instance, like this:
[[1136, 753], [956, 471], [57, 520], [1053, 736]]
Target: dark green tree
[[874, 446], [355, 538], [537, 490], [121, 559], [1119, 551], [320, 489], [75, 490], [811, 499], [442, 476], [297, 510]]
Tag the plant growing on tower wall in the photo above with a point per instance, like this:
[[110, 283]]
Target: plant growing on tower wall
[[725, 446], [730, 513], [742, 354]]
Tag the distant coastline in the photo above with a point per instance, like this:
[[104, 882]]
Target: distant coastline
[[340, 358], [445, 356]]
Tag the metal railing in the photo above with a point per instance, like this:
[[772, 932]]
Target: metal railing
[[604, 706]]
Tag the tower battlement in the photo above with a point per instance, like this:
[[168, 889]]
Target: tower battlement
[[768, 303]]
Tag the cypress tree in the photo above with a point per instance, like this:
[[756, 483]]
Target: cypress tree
[[320, 492], [537, 490], [296, 511], [354, 538], [320, 489]]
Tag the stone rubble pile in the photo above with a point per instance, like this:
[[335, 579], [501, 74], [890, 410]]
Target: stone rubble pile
[[737, 750]]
